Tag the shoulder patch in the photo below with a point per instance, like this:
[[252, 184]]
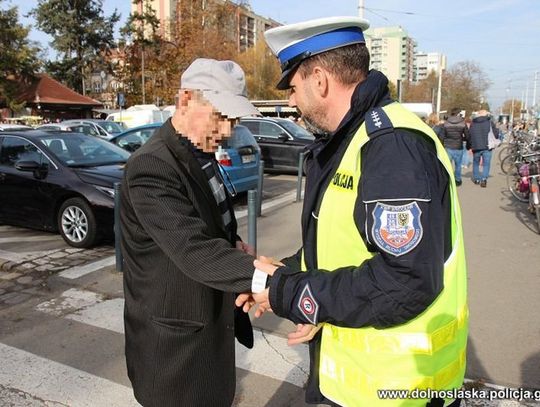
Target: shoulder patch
[[308, 306], [377, 122], [397, 229]]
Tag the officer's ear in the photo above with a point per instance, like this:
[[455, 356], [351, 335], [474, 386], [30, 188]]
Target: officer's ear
[[319, 79]]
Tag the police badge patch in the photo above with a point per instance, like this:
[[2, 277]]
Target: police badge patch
[[308, 306], [397, 229]]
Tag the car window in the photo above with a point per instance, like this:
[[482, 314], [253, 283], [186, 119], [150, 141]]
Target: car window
[[82, 151], [112, 127], [252, 126], [17, 149], [297, 130], [271, 130], [241, 137], [84, 128], [101, 131]]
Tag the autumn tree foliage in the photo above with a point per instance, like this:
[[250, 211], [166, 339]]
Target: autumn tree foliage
[[463, 86], [262, 73]]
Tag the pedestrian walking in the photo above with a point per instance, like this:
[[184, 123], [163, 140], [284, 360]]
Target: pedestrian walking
[[455, 137], [481, 127], [379, 287]]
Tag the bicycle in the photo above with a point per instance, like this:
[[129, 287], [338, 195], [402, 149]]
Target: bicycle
[[524, 184]]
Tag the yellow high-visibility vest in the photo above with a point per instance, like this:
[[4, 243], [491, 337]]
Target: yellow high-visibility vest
[[427, 352]]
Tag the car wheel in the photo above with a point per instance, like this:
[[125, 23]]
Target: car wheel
[[77, 223]]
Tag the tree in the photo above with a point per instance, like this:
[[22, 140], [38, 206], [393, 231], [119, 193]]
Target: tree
[[464, 86], [80, 35], [423, 91], [203, 29], [262, 73], [19, 56]]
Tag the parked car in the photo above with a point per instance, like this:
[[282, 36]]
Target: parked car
[[13, 127], [135, 137], [104, 128], [60, 181], [138, 115], [73, 127], [239, 157], [281, 141]]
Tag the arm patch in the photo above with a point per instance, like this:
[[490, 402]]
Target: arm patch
[[397, 229]]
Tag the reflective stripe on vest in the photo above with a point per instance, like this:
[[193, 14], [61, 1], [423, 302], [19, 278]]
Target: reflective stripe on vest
[[426, 352]]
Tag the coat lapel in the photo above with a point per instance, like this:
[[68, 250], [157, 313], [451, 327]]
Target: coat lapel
[[189, 163]]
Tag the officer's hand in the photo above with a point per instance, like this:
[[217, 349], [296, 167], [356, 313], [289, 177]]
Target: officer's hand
[[303, 333]]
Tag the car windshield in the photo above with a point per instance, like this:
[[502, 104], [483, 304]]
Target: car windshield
[[79, 150], [112, 127], [297, 130]]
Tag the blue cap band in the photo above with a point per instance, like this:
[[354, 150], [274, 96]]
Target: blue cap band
[[322, 42]]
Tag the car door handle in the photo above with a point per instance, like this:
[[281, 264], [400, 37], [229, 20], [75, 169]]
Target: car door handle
[[2, 177]]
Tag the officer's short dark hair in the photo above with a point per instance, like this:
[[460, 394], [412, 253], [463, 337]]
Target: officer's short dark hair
[[455, 111], [347, 64]]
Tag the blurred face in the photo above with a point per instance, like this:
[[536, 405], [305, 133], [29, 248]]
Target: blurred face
[[308, 105], [206, 127]]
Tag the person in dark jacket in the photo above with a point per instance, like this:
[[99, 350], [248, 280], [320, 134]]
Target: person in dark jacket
[[455, 134], [365, 275], [480, 127], [182, 260]]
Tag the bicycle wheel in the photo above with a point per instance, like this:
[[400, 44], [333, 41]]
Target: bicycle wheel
[[508, 164], [512, 181], [504, 151]]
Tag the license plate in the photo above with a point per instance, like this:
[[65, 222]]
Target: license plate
[[248, 158]]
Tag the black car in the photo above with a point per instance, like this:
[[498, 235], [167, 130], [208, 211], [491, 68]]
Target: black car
[[281, 141], [60, 181]]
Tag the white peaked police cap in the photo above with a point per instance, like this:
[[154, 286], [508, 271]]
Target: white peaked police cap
[[222, 83], [295, 42]]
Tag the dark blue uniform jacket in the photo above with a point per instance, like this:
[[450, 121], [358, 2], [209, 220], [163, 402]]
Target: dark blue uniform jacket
[[398, 167]]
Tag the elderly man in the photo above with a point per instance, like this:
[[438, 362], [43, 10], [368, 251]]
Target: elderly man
[[379, 286], [179, 241]]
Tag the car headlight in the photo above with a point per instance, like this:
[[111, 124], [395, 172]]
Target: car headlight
[[107, 191]]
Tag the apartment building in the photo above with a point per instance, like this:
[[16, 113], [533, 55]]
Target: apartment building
[[246, 26], [427, 62], [392, 52]]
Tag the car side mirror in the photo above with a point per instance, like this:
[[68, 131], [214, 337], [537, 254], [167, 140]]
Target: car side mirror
[[283, 137], [39, 170], [27, 166]]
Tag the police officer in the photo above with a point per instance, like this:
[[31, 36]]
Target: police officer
[[379, 286]]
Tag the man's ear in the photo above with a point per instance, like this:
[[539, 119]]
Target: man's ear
[[320, 81]]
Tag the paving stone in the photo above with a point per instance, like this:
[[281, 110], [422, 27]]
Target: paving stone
[[17, 299], [6, 284], [25, 280], [2, 291], [42, 268], [27, 266], [8, 265], [7, 296], [9, 276], [73, 250], [33, 290], [57, 255], [41, 261]]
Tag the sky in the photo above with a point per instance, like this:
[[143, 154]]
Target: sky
[[501, 36]]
